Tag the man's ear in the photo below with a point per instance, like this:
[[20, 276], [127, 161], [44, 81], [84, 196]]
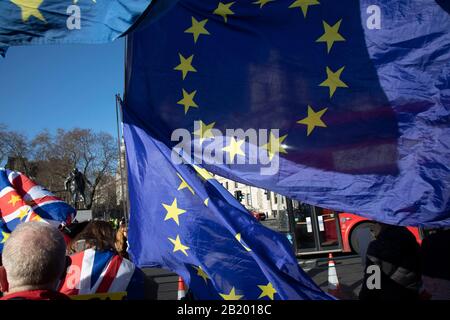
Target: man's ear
[[4, 286]]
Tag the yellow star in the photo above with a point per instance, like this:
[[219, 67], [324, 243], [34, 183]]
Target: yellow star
[[30, 8], [204, 132], [313, 119], [231, 296], [331, 34], [14, 200], [178, 246], [206, 201], [23, 213], [188, 100], [185, 65], [201, 273], [234, 148], [197, 28], [223, 9], [184, 184], [173, 211], [275, 145], [333, 81], [267, 291], [238, 238], [304, 4], [203, 173], [262, 3], [5, 236]]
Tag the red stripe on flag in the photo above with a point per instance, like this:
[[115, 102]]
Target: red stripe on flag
[[110, 274], [10, 202], [22, 184], [73, 275], [42, 200]]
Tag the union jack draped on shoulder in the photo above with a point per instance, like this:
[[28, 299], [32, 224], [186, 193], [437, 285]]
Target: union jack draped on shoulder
[[22, 200], [92, 271]]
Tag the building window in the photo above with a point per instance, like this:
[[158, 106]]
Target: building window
[[226, 183], [236, 185], [275, 198], [249, 199]]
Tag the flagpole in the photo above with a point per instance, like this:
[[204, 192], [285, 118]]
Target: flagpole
[[121, 165]]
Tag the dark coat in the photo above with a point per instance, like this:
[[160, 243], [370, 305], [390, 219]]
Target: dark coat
[[397, 254]]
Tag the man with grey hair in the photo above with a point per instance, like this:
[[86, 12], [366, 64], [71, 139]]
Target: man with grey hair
[[33, 262]]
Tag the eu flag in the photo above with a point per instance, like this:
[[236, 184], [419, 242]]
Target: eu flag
[[75, 21], [341, 104], [186, 221]]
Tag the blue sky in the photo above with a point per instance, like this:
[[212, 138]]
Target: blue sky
[[61, 86]]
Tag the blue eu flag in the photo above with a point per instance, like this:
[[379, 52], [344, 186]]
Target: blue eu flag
[[341, 104], [186, 221], [74, 21]]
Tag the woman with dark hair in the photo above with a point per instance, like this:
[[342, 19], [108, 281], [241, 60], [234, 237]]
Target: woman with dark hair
[[97, 268], [97, 234]]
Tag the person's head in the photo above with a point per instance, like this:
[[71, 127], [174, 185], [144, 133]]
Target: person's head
[[97, 234], [71, 232], [33, 258]]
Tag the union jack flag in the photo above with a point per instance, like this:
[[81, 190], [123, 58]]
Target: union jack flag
[[92, 272], [22, 200]]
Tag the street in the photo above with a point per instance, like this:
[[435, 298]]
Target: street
[[349, 271]]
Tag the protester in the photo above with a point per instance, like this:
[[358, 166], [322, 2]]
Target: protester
[[94, 250], [96, 234], [396, 253], [121, 240], [33, 262], [435, 255]]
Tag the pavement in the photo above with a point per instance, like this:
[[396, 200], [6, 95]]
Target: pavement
[[349, 270]]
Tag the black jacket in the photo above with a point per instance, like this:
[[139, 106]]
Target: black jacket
[[397, 254]]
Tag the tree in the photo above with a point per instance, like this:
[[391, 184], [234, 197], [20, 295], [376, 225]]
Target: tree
[[49, 159], [14, 147], [3, 151], [94, 154]]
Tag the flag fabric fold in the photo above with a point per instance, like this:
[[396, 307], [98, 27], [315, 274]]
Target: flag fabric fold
[[24, 22], [184, 220], [102, 272], [22, 200], [348, 101]]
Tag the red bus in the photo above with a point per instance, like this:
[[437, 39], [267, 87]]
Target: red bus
[[319, 230]]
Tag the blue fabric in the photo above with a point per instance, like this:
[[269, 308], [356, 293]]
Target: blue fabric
[[101, 259], [46, 21], [382, 150], [136, 287], [206, 231]]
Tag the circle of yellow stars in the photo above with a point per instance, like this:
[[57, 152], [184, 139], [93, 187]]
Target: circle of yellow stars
[[314, 119]]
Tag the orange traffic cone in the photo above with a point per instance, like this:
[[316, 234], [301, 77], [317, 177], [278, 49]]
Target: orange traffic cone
[[181, 288], [333, 281]]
